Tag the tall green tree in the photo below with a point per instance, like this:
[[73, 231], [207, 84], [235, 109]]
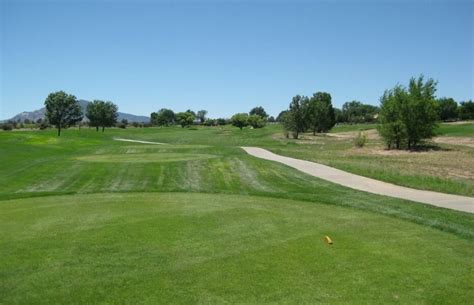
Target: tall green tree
[[102, 114], [164, 117], [319, 112], [185, 119], [408, 115], [93, 113], [109, 115], [355, 112], [391, 126], [447, 109], [466, 110], [259, 111], [295, 119], [240, 120], [256, 121], [201, 115], [62, 110]]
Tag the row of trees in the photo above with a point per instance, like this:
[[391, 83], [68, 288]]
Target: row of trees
[[304, 113], [257, 118], [449, 110], [167, 117], [63, 111]]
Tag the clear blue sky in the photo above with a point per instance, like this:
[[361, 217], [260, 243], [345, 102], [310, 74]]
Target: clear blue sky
[[229, 57]]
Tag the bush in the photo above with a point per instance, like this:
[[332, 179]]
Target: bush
[[43, 125], [408, 115], [256, 121], [7, 127], [360, 140]]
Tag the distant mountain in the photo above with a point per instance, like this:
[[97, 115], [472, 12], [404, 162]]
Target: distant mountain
[[40, 114]]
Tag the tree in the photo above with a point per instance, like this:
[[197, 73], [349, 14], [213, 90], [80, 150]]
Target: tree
[[62, 110], [319, 112], [447, 109], [240, 120], [185, 119], [201, 115], [338, 116], [109, 115], [356, 112], [294, 119], [408, 115], [164, 117], [391, 126], [102, 114], [221, 121], [259, 111], [281, 115], [466, 110], [256, 121], [93, 113]]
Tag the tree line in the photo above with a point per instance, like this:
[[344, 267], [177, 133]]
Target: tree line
[[63, 111], [406, 117], [256, 118]]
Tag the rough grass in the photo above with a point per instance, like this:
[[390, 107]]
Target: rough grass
[[175, 248], [441, 167], [137, 232]]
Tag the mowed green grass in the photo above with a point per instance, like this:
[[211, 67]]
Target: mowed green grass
[[459, 129], [86, 219], [175, 248]]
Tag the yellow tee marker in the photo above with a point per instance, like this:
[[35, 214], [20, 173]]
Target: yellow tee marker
[[328, 240]]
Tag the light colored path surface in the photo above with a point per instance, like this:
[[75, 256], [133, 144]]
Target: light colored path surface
[[138, 141], [455, 202]]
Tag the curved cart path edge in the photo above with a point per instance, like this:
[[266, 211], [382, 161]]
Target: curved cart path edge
[[449, 201]]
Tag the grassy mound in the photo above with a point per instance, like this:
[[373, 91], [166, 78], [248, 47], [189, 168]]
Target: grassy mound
[[184, 248]]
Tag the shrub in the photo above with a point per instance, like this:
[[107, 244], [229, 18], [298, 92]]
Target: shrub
[[408, 115], [7, 127], [43, 125], [256, 121], [360, 140]]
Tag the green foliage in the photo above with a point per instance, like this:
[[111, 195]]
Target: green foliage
[[355, 112], [201, 115], [62, 110], [221, 121], [447, 109], [240, 120], [210, 122], [102, 114], [294, 120], [360, 140], [256, 121], [319, 113], [7, 126], [259, 111], [408, 115], [185, 119], [466, 110], [164, 117], [281, 115]]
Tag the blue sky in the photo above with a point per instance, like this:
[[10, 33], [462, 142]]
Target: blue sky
[[227, 57]]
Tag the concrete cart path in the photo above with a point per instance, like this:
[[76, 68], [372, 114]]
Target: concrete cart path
[[454, 202], [138, 141]]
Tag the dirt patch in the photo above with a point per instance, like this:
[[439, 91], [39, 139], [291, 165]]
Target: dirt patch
[[466, 141], [372, 134]]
